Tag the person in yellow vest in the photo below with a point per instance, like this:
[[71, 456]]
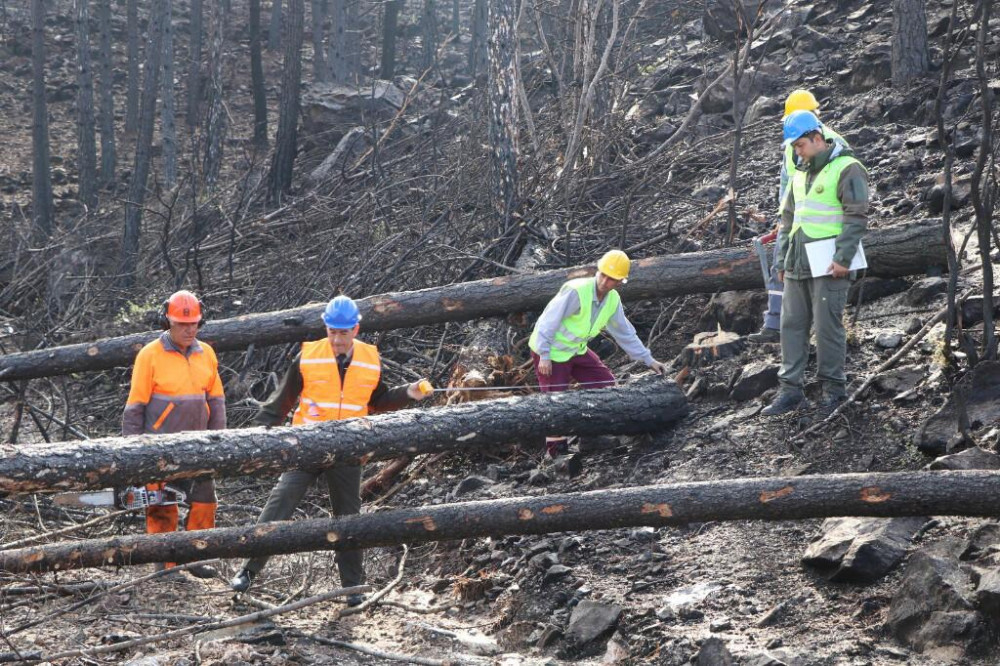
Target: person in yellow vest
[[337, 377], [828, 198], [176, 387], [577, 314], [798, 100]]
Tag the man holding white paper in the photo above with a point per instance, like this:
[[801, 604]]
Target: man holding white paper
[[828, 199]]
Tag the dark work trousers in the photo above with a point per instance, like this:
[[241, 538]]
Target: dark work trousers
[[344, 484], [815, 302]]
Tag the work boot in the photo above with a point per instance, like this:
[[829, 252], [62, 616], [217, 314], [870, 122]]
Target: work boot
[[355, 599], [829, 403], [241, 582], [787, 401], [203, 571], [765, 336]]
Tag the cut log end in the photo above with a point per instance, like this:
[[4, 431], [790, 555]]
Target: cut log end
[[710, 346]]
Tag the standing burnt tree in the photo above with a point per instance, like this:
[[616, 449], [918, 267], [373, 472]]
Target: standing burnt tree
[[477, 44], [910, 58], [337, 42], [215, 132], [86, 145], [168, 113], [503, 109], [274, 29], [390, 26], [42, 214], [129, 259], [318, 11], [429, 33], [132, 54], [107, 110], [286, 142], [257, 79], [194, 66]]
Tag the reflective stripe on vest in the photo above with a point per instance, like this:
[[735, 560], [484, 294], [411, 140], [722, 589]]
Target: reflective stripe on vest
[[791, 164], [818, 212], [323, 398], [575, 331]]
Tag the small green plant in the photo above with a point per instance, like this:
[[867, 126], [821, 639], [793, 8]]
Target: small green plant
[[133, 312]]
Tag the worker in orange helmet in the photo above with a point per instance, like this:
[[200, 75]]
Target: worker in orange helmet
[[175, 388]]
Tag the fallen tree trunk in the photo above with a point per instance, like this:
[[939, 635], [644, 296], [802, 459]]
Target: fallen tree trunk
[[900, 494], [904, 250], [645, 406]]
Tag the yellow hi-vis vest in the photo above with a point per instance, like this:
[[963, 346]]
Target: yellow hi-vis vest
[[790, 164], [577, 330], [323, 397], [818, 212]]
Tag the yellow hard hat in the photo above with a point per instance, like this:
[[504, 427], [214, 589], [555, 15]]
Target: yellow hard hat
[[800, 100], [615, 264]]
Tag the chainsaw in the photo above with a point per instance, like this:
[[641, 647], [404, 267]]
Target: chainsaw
[[132, 497]]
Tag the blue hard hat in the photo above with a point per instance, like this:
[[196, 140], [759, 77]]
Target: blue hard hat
[[800, 122], [341, 312]]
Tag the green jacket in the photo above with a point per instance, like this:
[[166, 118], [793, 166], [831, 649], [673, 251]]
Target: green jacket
[[852, 191]]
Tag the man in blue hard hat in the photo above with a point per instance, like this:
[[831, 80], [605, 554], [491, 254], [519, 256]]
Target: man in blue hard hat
[[827, 198], [797, 100], [336, 377]]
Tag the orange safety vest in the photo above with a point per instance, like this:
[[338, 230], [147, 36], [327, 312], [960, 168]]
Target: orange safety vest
[[323, 397]]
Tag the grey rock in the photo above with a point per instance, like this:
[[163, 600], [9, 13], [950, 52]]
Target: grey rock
[[872, 289], [556, 572], [808, 40], [713, 652], [981, 394], [736, 311], [898, 380], [988, 594], [861, 549], [329, 111], [984, 540], [722, 624], [925, 290], [539, 477], [763, 659], [709, 192], [470, 484], [723, 20], [971, 458], [544, 560], [763, 107], [755, 379], [591, 620], [889, 340], [871, 69], [914, 326]]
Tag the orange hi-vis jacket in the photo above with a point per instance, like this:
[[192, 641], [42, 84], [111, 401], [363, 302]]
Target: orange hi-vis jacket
[[174, 392], [323, 398]]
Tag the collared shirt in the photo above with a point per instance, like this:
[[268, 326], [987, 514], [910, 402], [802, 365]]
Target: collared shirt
[[567, 303]]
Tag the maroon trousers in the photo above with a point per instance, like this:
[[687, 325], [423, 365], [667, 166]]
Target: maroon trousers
[[587, 370]]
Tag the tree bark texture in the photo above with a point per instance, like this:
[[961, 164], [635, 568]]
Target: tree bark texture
[[86, 147], [143, 149], [903, 250], [107, 97], [390, 25], [950, 493], [428, 34], [132, 54], [649, 405], [286, 142], [337, 42], [477, 44], [42, 211], [193, 113], [503, 108], [215, 132], [257, 78], [168, 112], [910, 57], [318, 15], [274, 28]]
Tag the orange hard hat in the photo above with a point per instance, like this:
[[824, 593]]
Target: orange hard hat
[[183, 307]]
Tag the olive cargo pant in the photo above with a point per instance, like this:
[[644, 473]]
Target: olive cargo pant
[[806, 303]]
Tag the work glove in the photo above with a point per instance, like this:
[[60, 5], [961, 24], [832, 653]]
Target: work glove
[[420, 390]]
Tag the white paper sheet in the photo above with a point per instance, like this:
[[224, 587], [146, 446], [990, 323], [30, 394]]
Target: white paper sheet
[[820, 254]]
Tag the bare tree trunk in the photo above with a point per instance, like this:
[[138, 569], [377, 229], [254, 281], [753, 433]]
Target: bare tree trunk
[[984, 194], [390, 25], [257, 79], [910, 58], [129, 260], [456, 17], [168, 126], [353, 41], [648, 405], [86, 144], [42, 213], [274, 28], [108, 157], [337, 41], [321, 72], [132, 55], [286, 142], [193, 114], [477, 45], [429, 33], [962, 493], [503, 109], [215, 133], [892, 252]]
